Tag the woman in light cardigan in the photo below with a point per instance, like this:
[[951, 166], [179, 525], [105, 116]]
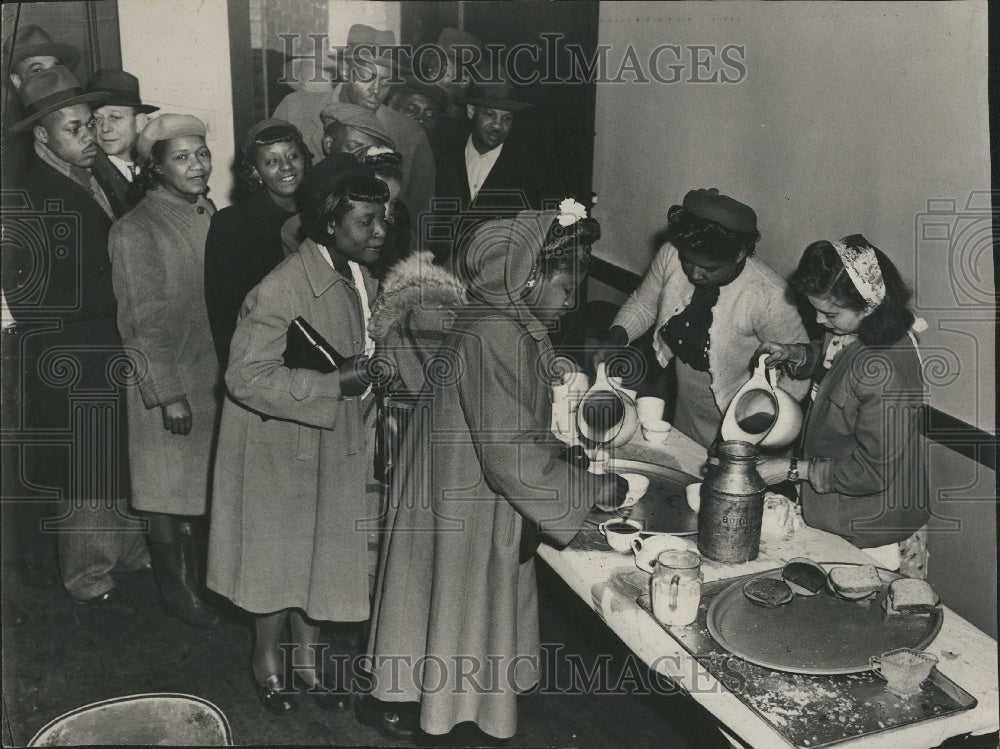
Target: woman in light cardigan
[[713, 303]]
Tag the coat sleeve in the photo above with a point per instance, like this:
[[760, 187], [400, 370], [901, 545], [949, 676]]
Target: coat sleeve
[[147, 326], [890, 401], [257, 376], [221, 286], [780, 321], [640, 310], [517, 453], [420, 185]]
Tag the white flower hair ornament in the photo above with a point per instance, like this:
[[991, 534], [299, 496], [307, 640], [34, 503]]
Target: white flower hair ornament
[[863, 269], [570, 212]]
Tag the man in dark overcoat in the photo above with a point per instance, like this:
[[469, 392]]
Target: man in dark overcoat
[[58, 286]]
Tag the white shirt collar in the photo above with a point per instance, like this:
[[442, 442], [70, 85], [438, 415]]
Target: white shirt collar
[[479, 165], [123, 166]]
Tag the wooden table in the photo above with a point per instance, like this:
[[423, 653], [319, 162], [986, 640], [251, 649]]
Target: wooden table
[[967, 655]]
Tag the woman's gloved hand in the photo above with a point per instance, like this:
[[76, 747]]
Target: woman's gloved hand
[[614, 341], [355, 375], [792, 357], [177, 417], [575, 455]]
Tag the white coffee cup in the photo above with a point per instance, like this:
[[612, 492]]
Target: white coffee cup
[[637, 487], [693, 493], [618, 538], [650, 408], [598, 460], [648, 549], [655, 431]]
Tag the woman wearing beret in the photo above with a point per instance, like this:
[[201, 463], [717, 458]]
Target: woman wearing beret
[[861, 472], [244, 240], [479, 475], [292, 501], [157, 254], [713, 303]]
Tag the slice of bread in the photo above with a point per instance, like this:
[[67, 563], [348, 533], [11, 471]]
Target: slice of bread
[[907, 594], [804, 576], [855, 580], [768, 592]]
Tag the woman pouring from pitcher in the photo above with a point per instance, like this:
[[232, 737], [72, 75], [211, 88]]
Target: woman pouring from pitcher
[[713, 303], [860, 469]]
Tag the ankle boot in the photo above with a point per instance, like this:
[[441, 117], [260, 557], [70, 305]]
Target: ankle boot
[[173, 565]]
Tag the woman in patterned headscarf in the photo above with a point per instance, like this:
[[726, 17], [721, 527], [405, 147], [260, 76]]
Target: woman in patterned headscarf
[[861, 474]]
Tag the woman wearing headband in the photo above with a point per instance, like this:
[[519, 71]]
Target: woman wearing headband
[[859, 466]]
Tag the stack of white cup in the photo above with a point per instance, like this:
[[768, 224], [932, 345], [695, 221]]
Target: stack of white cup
[[654, 428]]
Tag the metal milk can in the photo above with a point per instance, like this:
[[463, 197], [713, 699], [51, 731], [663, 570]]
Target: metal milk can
[[732, 505]]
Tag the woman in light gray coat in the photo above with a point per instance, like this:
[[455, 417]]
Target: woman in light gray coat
[[291, 512], [157, 254]]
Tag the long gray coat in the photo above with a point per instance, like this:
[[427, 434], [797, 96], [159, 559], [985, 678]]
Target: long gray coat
[[158, 272], [289, 514], [453, 594]]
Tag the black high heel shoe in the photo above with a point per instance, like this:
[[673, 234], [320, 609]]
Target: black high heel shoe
[[275, 700]]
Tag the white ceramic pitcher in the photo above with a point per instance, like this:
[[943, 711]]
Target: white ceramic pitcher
[[762, 413], [608, 402]]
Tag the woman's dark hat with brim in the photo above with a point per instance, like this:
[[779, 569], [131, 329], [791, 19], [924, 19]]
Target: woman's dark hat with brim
[[49, 91], [123, 88], [495, 96], [722, 209], [360, 34], [34, 41]]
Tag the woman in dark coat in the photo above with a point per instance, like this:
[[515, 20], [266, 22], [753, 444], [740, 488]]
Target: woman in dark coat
[[157, 256], [244, 240], [476, 476], [288, 537]]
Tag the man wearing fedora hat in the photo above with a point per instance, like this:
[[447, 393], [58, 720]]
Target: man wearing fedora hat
[[75, 292], [31, 51], [367, 69], [493, 170], [117, 124]]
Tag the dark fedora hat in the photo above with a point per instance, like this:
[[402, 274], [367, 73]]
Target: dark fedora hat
[[122, 87], [495, 96], [34, 41], [359, 34], [433, 91], [49, 91]]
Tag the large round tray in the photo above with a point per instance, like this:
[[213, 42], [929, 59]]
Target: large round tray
[[663, 508], [821, 634]]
